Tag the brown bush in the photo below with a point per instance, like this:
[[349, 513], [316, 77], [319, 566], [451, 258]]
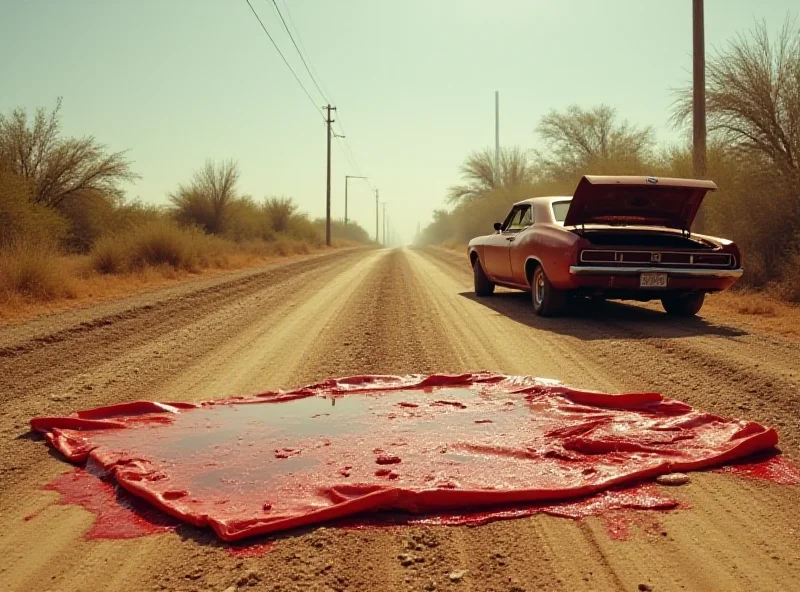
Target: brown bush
[[32, 269], [23, 220], [159, 243]]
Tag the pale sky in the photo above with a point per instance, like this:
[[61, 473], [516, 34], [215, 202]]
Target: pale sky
[[176, 82]]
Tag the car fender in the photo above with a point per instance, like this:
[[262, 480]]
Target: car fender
[[473, 252], [530, 260]]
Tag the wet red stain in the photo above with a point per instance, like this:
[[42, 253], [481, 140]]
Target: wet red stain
[[221, 458], [776, 469], [118, 514]]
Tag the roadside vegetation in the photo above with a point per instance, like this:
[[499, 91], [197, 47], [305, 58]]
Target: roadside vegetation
[[753, 112], [68, 231]]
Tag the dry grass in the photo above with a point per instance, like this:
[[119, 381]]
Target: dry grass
[[33, 271], [72, 281], [763, 311]]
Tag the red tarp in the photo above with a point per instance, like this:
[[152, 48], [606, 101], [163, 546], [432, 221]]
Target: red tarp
[[248, 466]]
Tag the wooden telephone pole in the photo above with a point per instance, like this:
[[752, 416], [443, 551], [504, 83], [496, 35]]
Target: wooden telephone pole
[[328, 121], [376, 218], [698, 97]]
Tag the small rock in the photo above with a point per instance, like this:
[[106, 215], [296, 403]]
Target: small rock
[[457, 576], [430, 586], [673, 479], [88, 387], [251, 578], [406, 559], [645, 588]]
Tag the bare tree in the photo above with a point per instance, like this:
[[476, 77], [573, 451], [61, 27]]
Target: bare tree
[[578, 138], [58, 169], [753, 97], [478, 173], [207, 200]]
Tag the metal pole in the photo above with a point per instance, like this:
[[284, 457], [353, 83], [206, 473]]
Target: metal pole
[[496, 137], [376, 217], [698, 95], [383, 203], [329, 121]]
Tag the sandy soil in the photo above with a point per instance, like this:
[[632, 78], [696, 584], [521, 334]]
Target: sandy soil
[[393, 311]]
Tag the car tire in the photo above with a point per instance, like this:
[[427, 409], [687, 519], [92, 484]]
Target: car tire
[[547, 300], [483, 287], [683, 305]]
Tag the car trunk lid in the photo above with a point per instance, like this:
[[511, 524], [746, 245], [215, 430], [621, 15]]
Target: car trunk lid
[[637, 201]]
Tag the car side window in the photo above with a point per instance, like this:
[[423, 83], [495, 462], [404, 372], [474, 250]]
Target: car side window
[[520, 220]]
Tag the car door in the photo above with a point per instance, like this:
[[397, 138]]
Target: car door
[[497, 251], [520, 247]]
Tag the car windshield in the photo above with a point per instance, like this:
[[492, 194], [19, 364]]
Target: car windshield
[[560, 209]]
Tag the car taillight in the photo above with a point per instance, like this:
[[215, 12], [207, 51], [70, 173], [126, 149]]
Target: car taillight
[[597, 256], [717, 259]]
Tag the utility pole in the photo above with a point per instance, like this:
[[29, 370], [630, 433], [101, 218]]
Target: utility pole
[[698, 96], [346, 179], [496, 137], [383, 203], [329, 121], [377, 238]]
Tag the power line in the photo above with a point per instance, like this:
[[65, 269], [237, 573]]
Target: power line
[[275, 45], [344, 146], [288, 12], [300, 53], [349, 151], [350, 160], [309, 65]]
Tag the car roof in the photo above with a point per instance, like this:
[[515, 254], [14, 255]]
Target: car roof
[[546, 200]]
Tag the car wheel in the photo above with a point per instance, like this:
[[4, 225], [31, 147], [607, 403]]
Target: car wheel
[[547, 300], [683, 305], [483, 287]]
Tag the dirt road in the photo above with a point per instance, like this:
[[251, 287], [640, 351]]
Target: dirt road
[[395, 312]]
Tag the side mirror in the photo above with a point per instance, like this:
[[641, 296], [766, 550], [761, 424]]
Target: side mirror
[[498, 226]]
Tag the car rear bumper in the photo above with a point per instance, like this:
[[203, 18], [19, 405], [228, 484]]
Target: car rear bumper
[[597, 279], [677, 272]]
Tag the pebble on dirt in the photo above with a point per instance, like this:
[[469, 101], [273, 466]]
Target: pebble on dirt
[[406, 559], [673, 479], [457, 576]]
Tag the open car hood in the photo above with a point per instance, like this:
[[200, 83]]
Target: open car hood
[[637, 201]]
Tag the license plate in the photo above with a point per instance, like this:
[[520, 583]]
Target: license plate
[[653, 280]]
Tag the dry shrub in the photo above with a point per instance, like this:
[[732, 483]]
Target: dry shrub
[[754, 307], [156, 244], [162, 243], [33, 270], [111, 254], [285, 246]]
